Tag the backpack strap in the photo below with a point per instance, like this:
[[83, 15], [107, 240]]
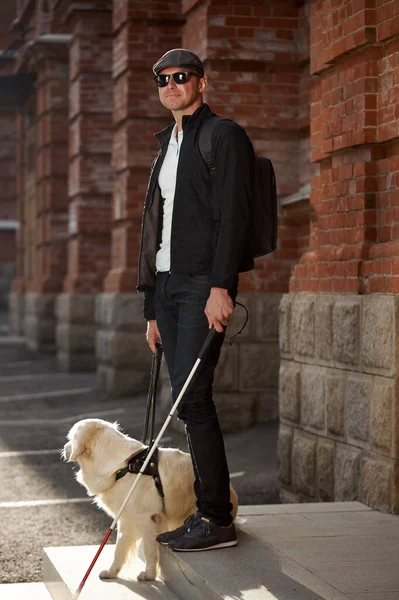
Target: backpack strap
[[205, 146], [205, 142]]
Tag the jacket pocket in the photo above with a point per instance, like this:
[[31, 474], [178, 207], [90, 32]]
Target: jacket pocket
[[202, 279]]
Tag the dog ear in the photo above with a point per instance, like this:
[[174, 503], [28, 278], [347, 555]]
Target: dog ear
[[78, 448]]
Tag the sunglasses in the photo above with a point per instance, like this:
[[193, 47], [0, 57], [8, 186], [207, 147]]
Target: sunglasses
[[180, 78]]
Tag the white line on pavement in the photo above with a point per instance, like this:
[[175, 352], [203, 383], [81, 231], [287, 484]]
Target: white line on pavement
[[238, 474], [22, 363], [10, 340], [94, 414], [41, 395], [16, 453], [27, 503], [27, 377]]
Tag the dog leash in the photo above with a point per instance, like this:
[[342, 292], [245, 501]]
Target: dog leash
[[136, 462], [149, 423]]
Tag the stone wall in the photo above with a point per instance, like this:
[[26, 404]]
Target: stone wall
[[338, 384], [40, 321], [122, 353], [16, 312], [75, 332], [7, 274]]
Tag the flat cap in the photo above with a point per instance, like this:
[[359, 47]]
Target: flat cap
[[179, 57]]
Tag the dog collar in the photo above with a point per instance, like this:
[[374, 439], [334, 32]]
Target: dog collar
[[135, 464]]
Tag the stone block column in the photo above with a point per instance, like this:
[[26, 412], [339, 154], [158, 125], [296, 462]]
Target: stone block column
[[143, 31], [339, 323], [89, 179]]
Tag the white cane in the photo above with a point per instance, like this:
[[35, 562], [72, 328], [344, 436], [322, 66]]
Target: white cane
[[212, 333]]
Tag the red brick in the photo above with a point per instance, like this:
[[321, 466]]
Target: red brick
[[393, 285], [378, 284]]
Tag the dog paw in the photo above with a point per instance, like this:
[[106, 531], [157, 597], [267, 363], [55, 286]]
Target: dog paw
[[108, 574], [145, 576]]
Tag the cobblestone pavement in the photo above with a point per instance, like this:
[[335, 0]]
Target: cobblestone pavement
[[40, 502]]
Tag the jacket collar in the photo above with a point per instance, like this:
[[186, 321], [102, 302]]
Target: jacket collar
[[202, 113]]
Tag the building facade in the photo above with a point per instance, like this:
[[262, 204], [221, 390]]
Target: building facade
[[315, 85], [339, 413], [8, 216]]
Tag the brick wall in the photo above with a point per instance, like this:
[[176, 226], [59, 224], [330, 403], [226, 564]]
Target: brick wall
[[338, 375], [27, 200], [51, 65], [7, 164], [257, 60], [143, 31], [32, 15], [18, 283], [7, 243], [90, 141], [354, 109], [7, 14]]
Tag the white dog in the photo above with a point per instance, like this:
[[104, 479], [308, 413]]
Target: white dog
[[101, 449]]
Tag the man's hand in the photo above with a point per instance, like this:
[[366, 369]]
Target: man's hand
[[153, 336], [218, 308]]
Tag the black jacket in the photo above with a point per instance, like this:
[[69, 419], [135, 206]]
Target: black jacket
[[204, 239]]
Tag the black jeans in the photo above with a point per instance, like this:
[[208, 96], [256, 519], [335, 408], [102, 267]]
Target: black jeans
[[180, 301]]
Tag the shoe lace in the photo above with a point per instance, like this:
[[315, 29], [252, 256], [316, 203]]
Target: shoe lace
[[192, 520], [203, 526]]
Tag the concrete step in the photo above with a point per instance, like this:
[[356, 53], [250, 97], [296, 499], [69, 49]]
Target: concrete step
[[64, 569], [24, 591], [252, 570]]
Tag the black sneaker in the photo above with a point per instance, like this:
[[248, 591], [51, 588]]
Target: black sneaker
[[205, 535], [168, 536]]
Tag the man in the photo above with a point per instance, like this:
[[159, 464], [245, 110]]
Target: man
[[188, 268]]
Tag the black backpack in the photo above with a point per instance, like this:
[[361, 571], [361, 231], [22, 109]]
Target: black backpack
[[261, 236]]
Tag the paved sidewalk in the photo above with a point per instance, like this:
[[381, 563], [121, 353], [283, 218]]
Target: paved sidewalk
[[337, 551], [41, 504], [341, 551], [326, 551]]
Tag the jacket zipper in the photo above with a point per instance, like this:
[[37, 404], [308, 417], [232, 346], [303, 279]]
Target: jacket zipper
[[149, 193]]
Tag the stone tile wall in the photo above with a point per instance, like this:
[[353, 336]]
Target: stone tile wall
[[122, 355], [337, 396]]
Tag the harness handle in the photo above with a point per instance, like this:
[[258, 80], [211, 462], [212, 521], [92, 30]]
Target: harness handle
[[149, 423]]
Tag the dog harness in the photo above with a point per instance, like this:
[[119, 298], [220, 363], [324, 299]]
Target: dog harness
[[135, 464]]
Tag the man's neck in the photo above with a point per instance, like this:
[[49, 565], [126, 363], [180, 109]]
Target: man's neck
[[179, 114]]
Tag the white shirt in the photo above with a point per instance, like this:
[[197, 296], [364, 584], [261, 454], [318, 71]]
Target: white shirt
[[167, 183]]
